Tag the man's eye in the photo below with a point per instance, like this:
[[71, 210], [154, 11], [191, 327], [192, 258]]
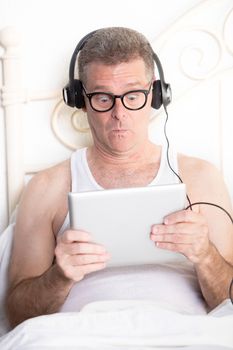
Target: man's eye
[[132, 96], [103, 98]]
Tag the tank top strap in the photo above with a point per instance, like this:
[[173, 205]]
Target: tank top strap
[[165, 175], [81, 179], [81, 176]]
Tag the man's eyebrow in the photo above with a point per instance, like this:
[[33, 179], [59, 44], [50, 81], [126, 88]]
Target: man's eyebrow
[[100, 87], [107, 88]]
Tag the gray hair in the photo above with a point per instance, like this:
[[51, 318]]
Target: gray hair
[[115, 45]]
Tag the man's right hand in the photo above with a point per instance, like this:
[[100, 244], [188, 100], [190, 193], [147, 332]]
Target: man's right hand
[[76, 255]]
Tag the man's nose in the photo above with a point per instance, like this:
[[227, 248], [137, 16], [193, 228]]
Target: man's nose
[[119, 111]]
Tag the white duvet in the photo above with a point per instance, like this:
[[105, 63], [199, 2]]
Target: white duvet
[[124, 325], [116, 324]]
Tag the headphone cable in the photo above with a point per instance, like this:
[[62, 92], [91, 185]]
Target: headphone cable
[[168, 159]]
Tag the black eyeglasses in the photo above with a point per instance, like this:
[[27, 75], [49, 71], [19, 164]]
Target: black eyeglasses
[[132, 100]]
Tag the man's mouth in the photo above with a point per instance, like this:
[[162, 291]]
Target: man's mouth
[[119, 130]]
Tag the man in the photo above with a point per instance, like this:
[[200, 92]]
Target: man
[[50, 261]]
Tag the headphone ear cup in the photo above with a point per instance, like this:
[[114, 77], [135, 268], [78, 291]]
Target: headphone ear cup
[[78, 94], [73, 95], [156, 95], [68, 96]]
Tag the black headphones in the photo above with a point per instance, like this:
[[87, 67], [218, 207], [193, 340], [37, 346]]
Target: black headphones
[[72, 92]]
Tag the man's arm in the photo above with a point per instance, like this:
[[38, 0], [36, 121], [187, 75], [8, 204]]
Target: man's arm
[[37, 296], [214, 275], [205, 234], [42, 272]]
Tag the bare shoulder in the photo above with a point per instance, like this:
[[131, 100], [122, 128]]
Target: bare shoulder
[[51, 181], [45, 195], [48, 179], [194, 165], [200, 176]]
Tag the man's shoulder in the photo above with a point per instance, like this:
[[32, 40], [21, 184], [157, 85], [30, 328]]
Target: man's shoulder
[[55, 179], [47, 192], [196, 165], [59, 172], [201, 176]]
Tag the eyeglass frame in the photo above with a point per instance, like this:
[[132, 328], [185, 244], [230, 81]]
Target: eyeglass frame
[[91, 94]]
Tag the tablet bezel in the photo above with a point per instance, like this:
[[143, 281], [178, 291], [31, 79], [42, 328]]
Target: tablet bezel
[[127, 240]]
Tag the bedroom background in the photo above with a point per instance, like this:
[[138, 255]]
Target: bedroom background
[[193, 39]]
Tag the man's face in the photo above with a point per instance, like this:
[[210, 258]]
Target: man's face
[[118, 130]]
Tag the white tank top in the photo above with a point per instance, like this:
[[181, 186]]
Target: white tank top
[[82, 179], [148, 282]]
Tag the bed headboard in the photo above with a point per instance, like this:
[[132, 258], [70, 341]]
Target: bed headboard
[[197, 57]]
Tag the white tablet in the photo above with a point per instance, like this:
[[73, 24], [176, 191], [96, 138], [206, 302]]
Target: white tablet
[[121, 220]]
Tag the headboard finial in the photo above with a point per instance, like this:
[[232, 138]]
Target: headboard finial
[[10, 37]]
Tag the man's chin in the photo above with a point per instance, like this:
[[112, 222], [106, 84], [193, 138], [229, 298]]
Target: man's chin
[[121, 147]]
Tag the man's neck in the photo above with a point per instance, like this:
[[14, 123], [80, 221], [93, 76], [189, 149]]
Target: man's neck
[[146, 154], [126, 171]]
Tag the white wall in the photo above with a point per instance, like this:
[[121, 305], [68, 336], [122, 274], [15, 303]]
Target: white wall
[[50, 29]]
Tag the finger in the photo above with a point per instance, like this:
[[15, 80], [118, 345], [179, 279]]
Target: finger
[[86, 259], [183, 216], [183, 228], [178, 248], [83, 248], [75, 236], [173, 238], [194, 255], [89, 248]]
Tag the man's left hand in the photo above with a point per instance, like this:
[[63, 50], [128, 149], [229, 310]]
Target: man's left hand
[[185, 232]]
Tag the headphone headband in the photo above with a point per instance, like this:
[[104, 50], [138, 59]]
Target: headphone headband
[[72, 92], [78, 48]]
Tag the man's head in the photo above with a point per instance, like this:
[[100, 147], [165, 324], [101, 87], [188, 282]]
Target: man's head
[[116, 87], [112, 46]]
